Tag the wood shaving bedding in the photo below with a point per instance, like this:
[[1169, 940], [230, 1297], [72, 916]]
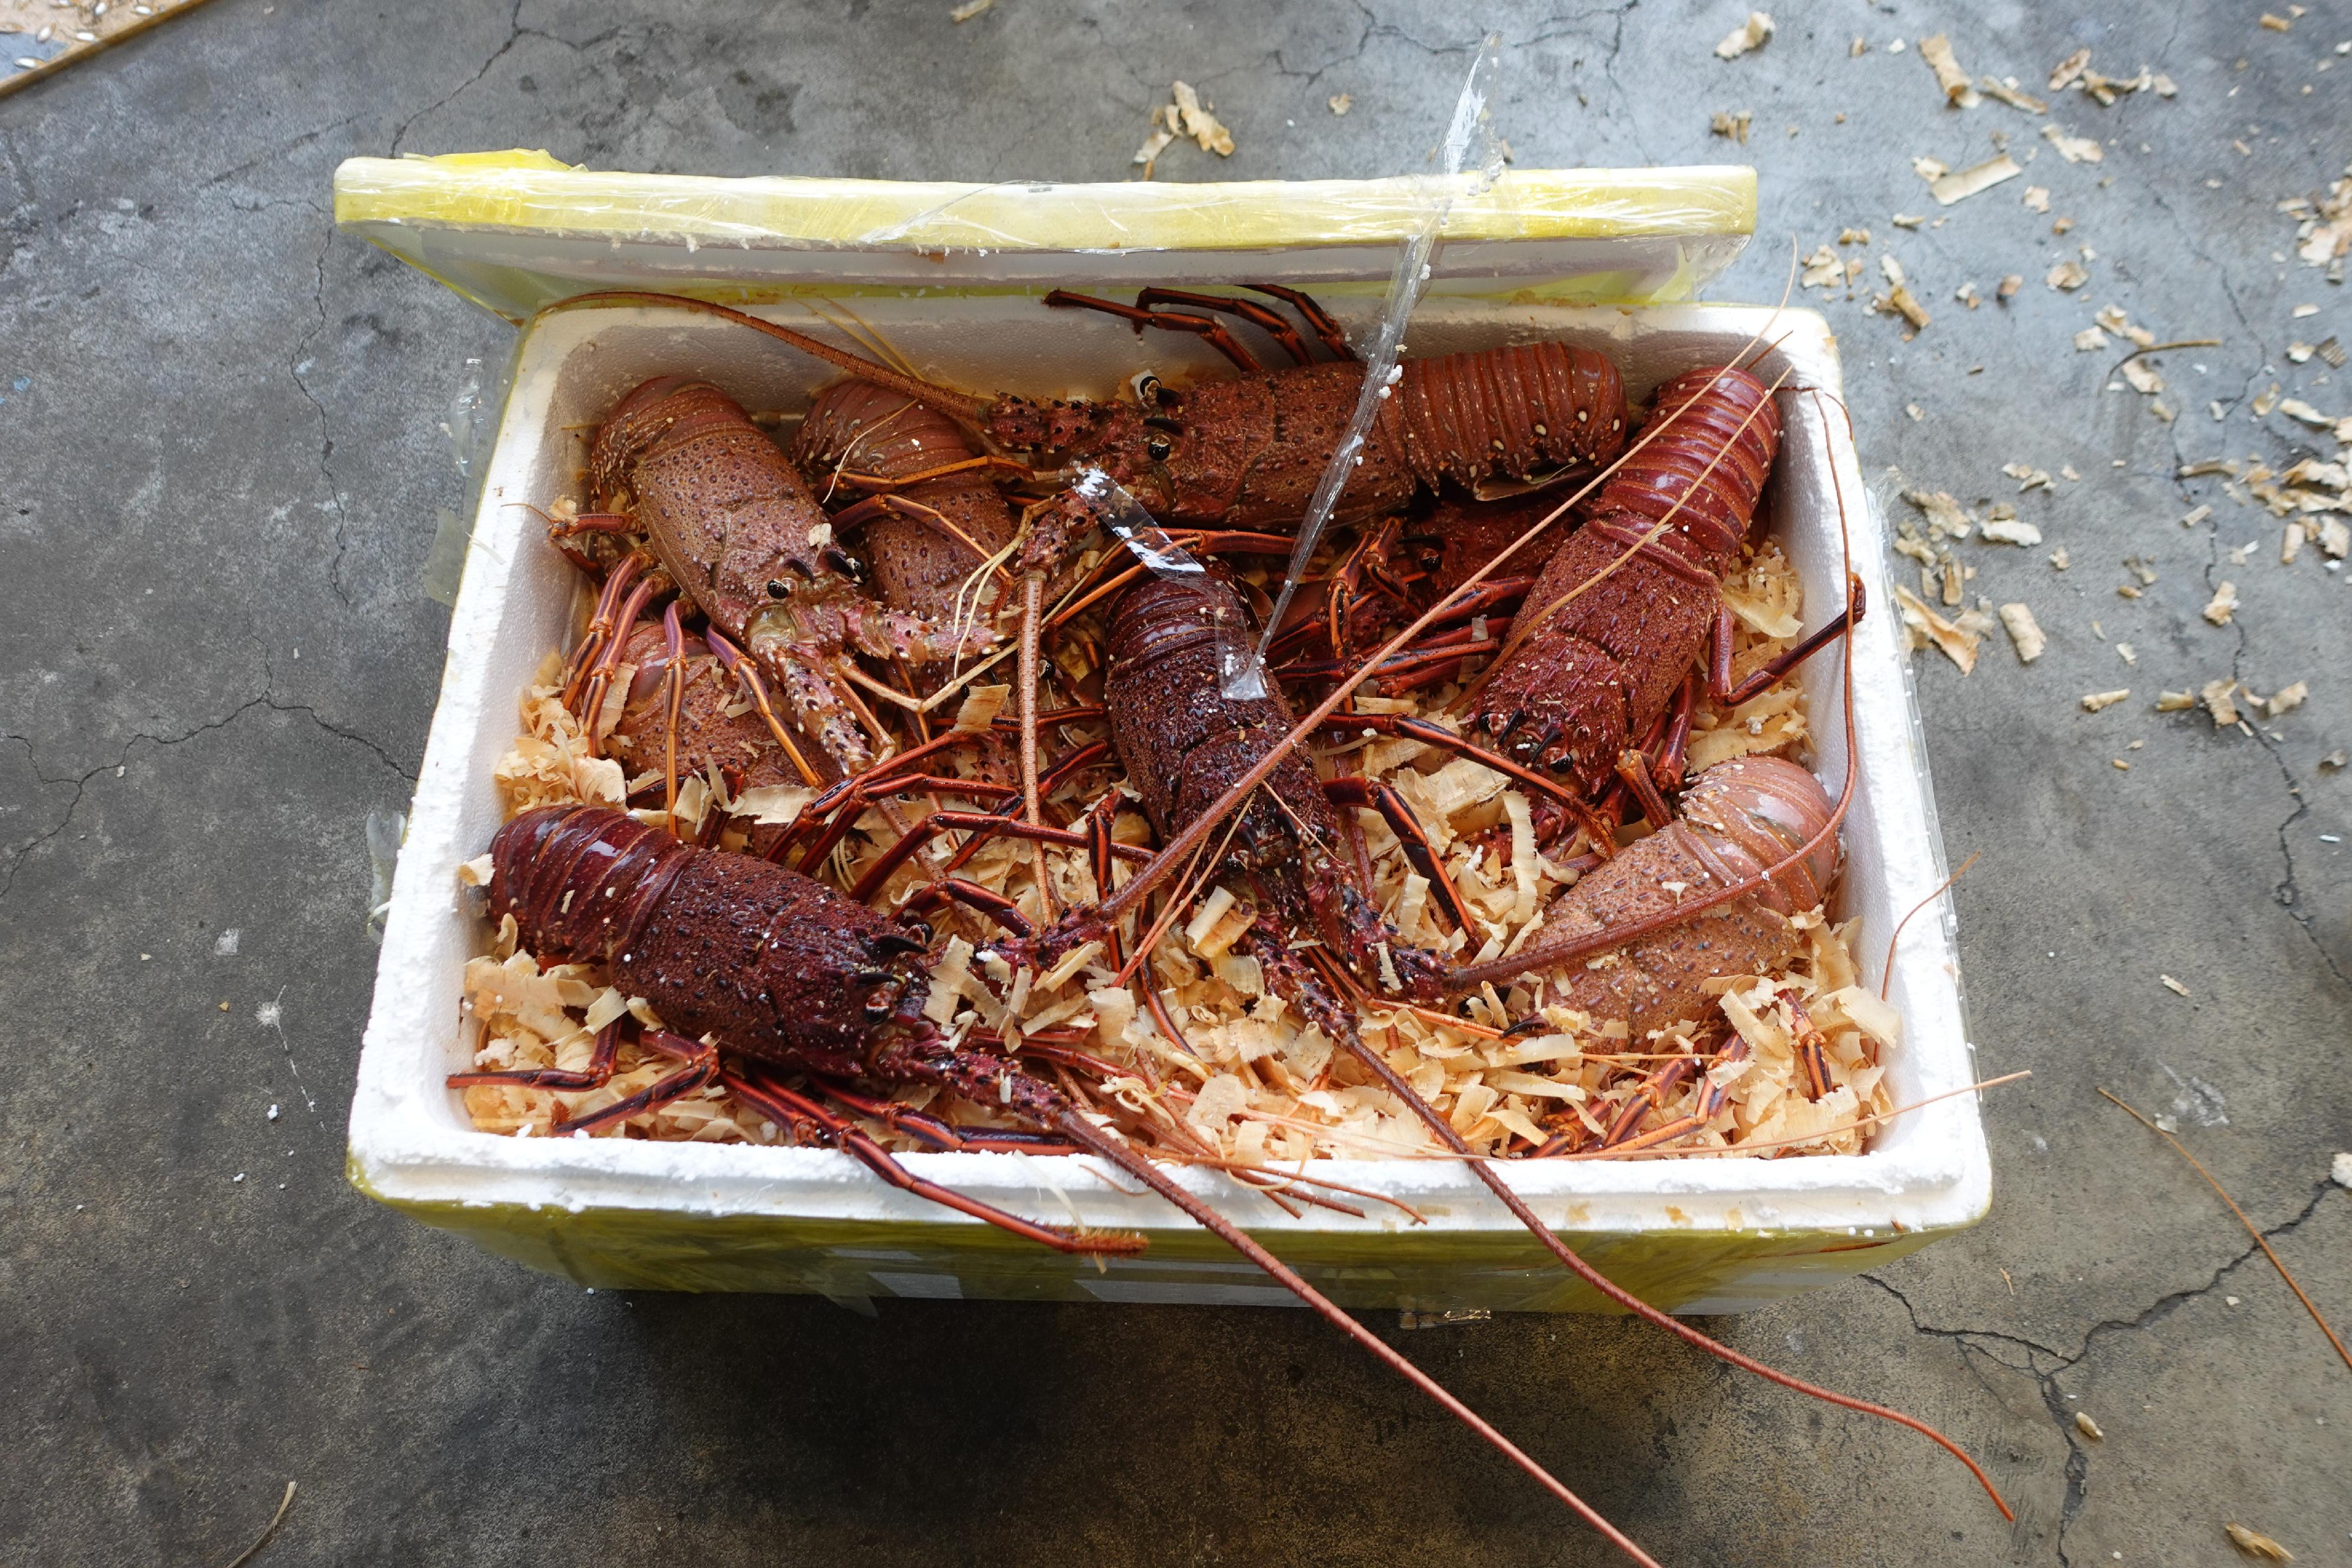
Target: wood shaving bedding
[[1250, 1077]]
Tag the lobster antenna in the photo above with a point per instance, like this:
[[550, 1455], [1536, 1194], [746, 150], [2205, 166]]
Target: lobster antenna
[[1887, 970], [1788, 286], [1485, 1172], [962, 406], [1087, 1135]]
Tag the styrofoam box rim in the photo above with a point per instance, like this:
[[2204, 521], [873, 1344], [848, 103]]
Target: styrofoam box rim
[[410, 1143]]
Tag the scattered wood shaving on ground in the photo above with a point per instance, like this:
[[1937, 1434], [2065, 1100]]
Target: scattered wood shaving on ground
[[2029, 477], [1976, 177], [1937, 52], [2073, 148], [2064, 73], [2067, 275], [2222, 605], [1750, 34], [2296, 408], [2090, 340], [2037, 198], [2286, 699], [1732, 127], [2008, 531], [2216, 697], [2024, 632], [1922, 627], [2088, 1428], [969, 9], [2093, 702], [2323, 228], [2253, 1543], [2173, 985], [2006, 91], [2010, 285], [1340, 102], [1185, 118], [1199, 124]]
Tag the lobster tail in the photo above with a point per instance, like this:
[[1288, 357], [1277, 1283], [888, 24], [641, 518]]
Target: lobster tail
[[1755, 812], [1711, 457], [1514, 411], [579, 880]]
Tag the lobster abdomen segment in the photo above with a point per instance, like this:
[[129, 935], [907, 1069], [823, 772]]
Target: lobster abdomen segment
[[1510, 412]]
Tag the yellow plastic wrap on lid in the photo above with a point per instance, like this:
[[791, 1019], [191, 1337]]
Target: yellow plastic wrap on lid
[[517, 231]]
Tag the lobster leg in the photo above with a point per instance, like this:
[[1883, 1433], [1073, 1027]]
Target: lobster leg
[[783, 1105], [1666, 763], [1270, 322], [701, 1065], [1378, 796], [595, 1075], [838, 808], [1315, 317], [1720, 690], [601, 624], [1811, 1049], [1646, 1098], [746, 673], [1206, 326], [976, 821], [1598, 829], [970, 895]]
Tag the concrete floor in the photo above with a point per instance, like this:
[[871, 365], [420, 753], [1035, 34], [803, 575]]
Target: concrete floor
[[221, 470]]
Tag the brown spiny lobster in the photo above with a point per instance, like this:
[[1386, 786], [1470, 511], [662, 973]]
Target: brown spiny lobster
[[734, 527], [1246, 450], [1607, 637], [932, 515], [757, 969]]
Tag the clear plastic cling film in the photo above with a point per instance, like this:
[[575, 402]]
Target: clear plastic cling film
[[470, 423], [1472, 120], [1125, 519]]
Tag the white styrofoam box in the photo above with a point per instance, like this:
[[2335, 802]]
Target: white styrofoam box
[[412, 1144]]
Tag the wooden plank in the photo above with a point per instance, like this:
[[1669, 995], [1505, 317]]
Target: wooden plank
[[40, 37]]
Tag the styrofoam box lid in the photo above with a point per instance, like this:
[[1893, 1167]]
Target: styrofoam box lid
[[410, 1141], [519, 231]]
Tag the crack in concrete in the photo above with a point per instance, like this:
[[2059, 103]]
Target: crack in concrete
[[80, 781], [514, 32], [294, 364], [2054, 1399]]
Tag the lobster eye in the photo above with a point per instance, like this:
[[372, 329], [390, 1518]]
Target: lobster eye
[[1146, 387], [779, 589], [1158, 448]]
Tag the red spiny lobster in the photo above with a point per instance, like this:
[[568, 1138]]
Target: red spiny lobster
[[936, 519], [773, 971], [735, 530], [1608, 631], [1200, 756], [1246, 451]]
